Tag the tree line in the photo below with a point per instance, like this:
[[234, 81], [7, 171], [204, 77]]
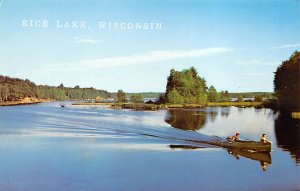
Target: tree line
[[12, 89], [121, 97], [287, 83], [143, 94], [264, 95]]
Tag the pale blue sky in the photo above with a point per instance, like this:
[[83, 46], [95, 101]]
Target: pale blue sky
[[235, 45]]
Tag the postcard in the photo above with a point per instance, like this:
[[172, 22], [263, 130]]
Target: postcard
[[149, 95]]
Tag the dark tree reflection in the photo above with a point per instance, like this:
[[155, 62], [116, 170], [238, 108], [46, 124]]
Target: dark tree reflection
[[287, 133], [213, 115], [186, 119]]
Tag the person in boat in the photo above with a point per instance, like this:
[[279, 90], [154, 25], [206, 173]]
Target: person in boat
[[229, 139], [264, 139], [236, 137]]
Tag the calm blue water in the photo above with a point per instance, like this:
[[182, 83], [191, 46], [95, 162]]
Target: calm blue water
[[45, 147]]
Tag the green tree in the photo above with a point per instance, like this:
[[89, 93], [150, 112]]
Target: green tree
[[61, 86], [174, 97], [1, 93], [162, 98], [212, 95], [186, 86], [4, 93], [258, 98], [287, 83], [240, 98], [121, 96], [137, 98], [224, 96]]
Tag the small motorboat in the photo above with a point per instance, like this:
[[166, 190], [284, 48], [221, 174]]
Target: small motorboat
[[246, 145], [62, 105]]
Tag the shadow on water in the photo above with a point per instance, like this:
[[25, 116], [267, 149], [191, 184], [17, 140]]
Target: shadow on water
[[287, 132], [186, 119], [194, 119], [264, 159], [185, 147]]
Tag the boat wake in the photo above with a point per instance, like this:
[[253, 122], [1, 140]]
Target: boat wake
[[99, 122]]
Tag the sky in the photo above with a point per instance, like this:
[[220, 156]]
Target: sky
[[235, 45]]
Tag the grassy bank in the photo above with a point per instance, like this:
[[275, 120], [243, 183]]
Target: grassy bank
[[143, 106], [217, 104], [237, 104], [137, 106]]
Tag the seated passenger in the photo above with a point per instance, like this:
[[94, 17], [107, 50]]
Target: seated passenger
[[236, 137], [264, 139], [229, 139]]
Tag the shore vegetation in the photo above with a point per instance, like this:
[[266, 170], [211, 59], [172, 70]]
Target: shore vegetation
[[287, 84], [17, 90]]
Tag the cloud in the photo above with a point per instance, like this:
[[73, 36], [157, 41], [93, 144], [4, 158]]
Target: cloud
[[255, 62], [286, 46], [148, 57], [85, 40]]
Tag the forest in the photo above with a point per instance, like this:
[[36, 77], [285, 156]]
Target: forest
[[13, 89]]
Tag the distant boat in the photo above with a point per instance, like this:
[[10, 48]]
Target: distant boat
[[62, 105]]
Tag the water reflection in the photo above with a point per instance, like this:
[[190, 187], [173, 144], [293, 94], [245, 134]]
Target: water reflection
[[264, 159], [197, 118], [194, 119], [287, 132], [224, 113], [186, 119], [212, 115]]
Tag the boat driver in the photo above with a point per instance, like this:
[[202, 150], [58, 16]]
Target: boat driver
[[264, 139]]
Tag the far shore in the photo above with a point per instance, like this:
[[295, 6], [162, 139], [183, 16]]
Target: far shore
[[25, 101], [144, 106], [154, 107]]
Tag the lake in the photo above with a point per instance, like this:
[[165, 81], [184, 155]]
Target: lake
[[46, 147]]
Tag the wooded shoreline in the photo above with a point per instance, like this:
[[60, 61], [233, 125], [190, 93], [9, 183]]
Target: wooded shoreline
[[132, 105], [25, 101]]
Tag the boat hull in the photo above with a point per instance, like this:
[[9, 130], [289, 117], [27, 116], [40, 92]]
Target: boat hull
[[247, 145]]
